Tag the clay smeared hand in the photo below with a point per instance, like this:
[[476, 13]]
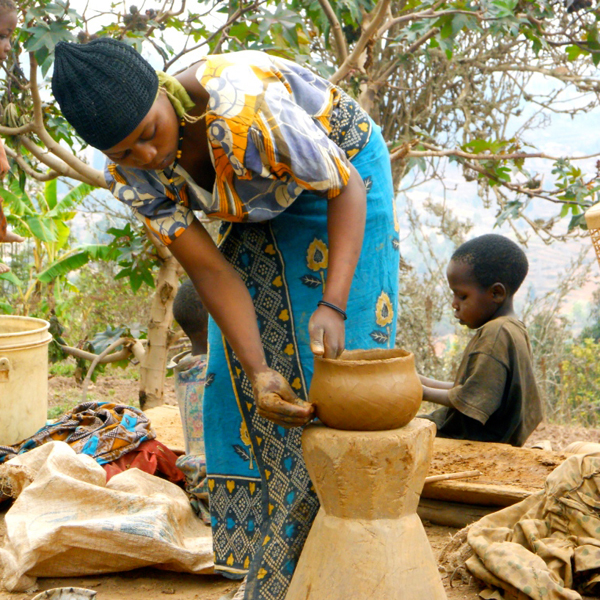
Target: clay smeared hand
[[276, 401], [327, 333]]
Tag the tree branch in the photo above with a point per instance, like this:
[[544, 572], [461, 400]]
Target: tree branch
[[379, 15], [114, 357], [95, 363], [27, 128], [440, 152], [56, 164], [30, 171], [79, 170], [338, 34]]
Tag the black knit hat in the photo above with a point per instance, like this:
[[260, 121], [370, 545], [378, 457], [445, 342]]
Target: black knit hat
[[104, 89]]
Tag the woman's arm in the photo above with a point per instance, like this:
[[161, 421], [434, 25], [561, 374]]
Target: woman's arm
[[227, 300], [346, 216]]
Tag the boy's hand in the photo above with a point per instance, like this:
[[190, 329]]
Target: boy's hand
[[437, 396], [276, 401]]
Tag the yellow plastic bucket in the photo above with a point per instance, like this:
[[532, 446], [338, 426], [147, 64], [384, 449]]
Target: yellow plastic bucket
[[23, 377]]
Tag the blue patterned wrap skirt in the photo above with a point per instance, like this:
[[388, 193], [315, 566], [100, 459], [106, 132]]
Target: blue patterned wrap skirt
[[262, 501]]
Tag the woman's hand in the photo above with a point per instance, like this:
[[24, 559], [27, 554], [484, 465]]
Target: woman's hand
[[276, 401], [327, 332]]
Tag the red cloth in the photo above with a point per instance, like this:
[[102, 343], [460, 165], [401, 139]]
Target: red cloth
[[151, 457]]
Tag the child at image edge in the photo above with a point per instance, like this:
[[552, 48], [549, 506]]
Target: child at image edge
[[189, 369], [8, 23], [494, 397]]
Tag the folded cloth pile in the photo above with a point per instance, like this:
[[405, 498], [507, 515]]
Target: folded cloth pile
[[546, 547], [105, 431]]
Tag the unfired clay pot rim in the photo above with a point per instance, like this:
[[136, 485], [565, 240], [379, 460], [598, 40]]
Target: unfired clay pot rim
[[345, 360]]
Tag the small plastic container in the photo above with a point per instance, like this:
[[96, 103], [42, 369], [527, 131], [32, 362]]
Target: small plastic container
[[23, 377]]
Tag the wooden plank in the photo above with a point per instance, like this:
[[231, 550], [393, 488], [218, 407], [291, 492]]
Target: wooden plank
[[452, 514], [475, 493], [448, 476]]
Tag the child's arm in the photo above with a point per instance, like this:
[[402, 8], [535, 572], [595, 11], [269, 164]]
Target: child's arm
[[434, 383], [436, 395], [10, 236], [4, 167], [7, 236]]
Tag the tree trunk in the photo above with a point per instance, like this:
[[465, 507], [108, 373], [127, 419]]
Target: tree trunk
[[153, 368]]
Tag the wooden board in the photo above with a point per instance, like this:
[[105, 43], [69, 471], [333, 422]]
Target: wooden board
[[452, 514], [473, 493], [508, 474]]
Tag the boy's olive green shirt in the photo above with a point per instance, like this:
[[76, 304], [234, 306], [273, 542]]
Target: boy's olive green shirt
[[495, 397]]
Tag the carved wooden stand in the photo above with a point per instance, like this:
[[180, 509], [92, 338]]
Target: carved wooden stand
[[367, 542]]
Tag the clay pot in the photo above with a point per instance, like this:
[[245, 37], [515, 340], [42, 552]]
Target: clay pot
[[366, 390]]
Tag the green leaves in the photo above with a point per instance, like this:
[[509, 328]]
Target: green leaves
[[47, 24], [512, 210], [133, 254], [75, 259], [46, 36], [574, 52], [42, 228]]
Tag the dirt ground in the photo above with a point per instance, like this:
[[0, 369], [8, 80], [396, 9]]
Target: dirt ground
[[148, 583], [152, 584]]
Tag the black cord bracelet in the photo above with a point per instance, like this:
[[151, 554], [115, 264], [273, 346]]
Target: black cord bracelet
[[334, 307]]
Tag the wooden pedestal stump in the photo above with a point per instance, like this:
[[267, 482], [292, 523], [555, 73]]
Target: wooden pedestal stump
[[367, 542]]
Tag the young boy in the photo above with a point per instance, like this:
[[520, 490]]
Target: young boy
[[190, 378], [192, 317], [190, 367], [494, 397]]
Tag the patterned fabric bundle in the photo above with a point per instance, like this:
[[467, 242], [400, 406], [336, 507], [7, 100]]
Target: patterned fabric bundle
[[196, 484], [102, 430]]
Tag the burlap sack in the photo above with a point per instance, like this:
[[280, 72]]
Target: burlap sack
[[68, 522]]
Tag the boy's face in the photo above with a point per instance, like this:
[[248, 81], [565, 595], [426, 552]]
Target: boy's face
[[473, 305], [8, 23]]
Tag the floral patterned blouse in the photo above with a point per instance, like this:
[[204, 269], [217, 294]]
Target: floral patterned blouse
[[275, 129]]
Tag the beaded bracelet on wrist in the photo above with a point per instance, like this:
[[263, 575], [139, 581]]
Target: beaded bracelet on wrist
[[333, 307]]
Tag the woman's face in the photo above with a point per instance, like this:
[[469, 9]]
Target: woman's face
[[153, 144]]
